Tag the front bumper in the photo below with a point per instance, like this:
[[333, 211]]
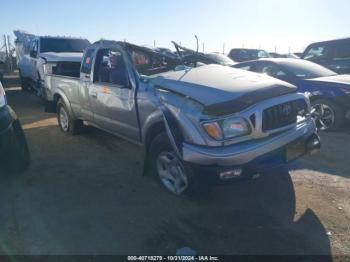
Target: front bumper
[[252, 157]]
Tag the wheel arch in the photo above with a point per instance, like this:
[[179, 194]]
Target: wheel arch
[[61, 96]]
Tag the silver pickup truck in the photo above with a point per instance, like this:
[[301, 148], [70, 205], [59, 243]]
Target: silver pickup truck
[[206, 124]]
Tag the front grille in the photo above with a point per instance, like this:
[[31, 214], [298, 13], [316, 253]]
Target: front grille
[[280, 115]]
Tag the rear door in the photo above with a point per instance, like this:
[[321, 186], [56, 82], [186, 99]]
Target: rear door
[[114, 101], [340, 58]]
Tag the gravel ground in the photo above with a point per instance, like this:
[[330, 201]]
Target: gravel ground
[[86, 195]]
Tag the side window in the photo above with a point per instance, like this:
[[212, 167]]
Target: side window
[[315, 53], [271, 70], [87, 61], [33, 49], [247, 67], [35, 46], [110, 68], [342, 51]]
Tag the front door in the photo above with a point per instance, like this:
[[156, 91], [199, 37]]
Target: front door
[[114, 101]]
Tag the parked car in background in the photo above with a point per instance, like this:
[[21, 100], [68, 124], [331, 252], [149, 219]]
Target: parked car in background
[[36, 55], [165, 51], [333, 54], [211, 123], [193, 58], [277, 55], [221, 59], [244, 54], [2, 69], [14, 153], [330, 92]]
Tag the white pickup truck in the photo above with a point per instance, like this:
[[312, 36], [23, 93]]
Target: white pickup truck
[[37, 54]]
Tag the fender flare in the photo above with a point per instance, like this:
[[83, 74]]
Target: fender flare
[[172, 130], [60, 95]]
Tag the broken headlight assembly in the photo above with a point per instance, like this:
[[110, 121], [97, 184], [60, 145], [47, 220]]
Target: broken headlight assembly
[[48, 68], [2, 96], [227, 128]]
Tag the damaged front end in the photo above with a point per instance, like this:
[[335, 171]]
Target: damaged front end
[[237, 145]]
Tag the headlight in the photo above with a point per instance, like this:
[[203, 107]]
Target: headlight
[[2, 96], [227, 128], [48, 68]]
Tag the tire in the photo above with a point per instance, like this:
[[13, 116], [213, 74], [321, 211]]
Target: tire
[[24, 82], [19, 153], [41, 92], [66, 121], [161, 148], [329, 106]]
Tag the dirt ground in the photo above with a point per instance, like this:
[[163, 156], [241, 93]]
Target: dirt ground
[[86, 195]]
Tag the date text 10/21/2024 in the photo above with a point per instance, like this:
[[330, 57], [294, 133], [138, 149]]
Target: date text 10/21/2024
[[173, 258]]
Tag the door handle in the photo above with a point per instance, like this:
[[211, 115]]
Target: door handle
[[93, 94]]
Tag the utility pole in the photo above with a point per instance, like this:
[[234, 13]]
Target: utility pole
[[9, 46], [154, 43], [5, 45], [203, 47], [223, 48]]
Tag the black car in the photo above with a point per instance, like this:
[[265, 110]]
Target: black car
[[14, 153], [329, 92], [2, 65], [333, 54], [244, 54]]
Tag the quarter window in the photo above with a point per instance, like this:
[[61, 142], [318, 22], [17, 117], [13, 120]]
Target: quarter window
[[87, 61]]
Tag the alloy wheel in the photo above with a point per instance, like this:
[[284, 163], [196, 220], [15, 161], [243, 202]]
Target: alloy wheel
[[324, 116], [172, 172], [64, 119]]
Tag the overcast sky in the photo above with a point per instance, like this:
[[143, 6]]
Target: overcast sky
[[269, 24]]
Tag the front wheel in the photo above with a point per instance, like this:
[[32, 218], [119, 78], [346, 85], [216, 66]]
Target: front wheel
[[327, 114], [167, 166]]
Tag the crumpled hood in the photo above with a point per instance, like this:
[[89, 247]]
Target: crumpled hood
[[222, 89], [343, 80], [62, 57]]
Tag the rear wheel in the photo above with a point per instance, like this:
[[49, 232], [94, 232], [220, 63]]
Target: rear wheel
[[66, 121], [24, 82], [327, 114], [41, 92]]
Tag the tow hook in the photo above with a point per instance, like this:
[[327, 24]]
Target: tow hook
[[313, 144]]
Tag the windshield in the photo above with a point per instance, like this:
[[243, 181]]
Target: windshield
[[148, 63], [305, 69], [60, 45], [221, 59], [241, 55]]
